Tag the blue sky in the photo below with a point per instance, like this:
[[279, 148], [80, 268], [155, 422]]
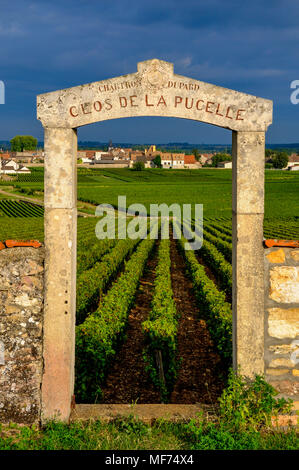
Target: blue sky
[[247, 46]]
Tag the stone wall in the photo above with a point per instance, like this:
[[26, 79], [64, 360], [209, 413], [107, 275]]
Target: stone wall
[[282, 320], [21, 325], [21, 328]]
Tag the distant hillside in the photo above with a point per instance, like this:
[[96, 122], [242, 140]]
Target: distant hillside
[[183, 146], [170, 146]]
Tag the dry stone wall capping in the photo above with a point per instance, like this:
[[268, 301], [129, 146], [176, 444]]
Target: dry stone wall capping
[[21, 327], [282, 320]]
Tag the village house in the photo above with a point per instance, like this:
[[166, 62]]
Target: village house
[[191, 163], [86, 160], [24, 170], [28, 154], [147, 163], [293, 160], [166, 161], [11, 164], [225, 164], [151, 152], [11, 167], [178, 160], [134, 154], [206, 158], [119, 154], [172, 160], [100, 155], [90, 154]]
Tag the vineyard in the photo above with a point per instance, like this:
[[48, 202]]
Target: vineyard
[[13, 208], [144, 336], [130, 310], [154, 320]]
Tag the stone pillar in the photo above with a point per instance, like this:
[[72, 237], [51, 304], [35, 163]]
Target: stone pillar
[[60, 272], [248, 150]]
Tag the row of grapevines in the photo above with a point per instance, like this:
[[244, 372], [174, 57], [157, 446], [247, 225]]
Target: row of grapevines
[[13, 208], [212, 303], [226, 231], [215, 260], [218, 233], [89, 255], [221, 268], [224, 247], [277, 228], [281, 234], [19, 228], [161, 327], [98, 336], [92, 282], [35, 178]]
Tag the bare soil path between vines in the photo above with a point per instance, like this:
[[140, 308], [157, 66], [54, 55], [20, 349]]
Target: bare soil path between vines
[[198, 377], [127, 381]]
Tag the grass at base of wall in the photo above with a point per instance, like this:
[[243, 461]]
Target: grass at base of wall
[[242, 422], [132, 434]]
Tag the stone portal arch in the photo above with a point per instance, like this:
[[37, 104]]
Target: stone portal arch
[[154, 90]]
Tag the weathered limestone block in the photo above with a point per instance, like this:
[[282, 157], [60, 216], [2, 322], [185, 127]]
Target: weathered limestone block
[[282, 362], [286, 387], [283, 348], [277, 371], [283, 323], [21, 323], [277, 256], [296, 405], [284, 284], [248, 153], [60, 168]]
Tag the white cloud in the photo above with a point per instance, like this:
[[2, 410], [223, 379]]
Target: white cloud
[[185, 61]]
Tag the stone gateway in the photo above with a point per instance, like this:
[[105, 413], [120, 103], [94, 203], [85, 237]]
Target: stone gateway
[[154, 90]]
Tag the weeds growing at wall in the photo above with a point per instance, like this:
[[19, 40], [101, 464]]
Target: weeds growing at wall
[[242, 421]]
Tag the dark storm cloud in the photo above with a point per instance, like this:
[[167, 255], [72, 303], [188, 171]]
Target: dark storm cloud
[[48, 45]]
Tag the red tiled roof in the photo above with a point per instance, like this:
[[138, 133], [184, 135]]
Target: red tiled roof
[[90, 153], [287, 243], [294, 158], [189, 159]]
